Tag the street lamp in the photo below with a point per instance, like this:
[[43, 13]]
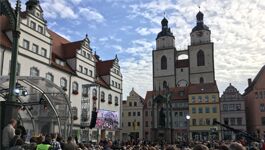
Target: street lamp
[[188, 127]]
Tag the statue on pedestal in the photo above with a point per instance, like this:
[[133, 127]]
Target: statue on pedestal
[[162, 118]]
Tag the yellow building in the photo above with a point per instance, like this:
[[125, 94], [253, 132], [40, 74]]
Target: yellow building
[[204, 108]]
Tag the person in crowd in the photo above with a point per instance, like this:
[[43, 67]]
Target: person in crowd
[[8, 133], [18, 145], [223, 147], [32, 145], [70, 145], [61, 141], [236, 146], [22, 129], [45, 145], [15, 138], [200, 147], [54, 143]]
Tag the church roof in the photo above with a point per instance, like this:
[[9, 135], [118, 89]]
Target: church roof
[[165, 29], [200, 25], [182, 63], [165, 32]]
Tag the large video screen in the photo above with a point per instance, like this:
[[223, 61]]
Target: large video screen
[[107, 119]]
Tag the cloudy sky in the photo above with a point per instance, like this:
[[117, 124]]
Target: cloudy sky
[[128, 28]]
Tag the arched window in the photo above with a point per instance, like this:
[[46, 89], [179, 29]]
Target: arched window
[[34, 72], [63, 83], [102, 95], [75, 87], [75, 113], [201, 80], [163, 63], [200, 58], [164, 84], [94, 92], [116, 101], [49, 76], [110, 99]]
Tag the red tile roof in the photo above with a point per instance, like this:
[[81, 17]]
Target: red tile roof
[[203, 88], [70, 49], [4, 41], [177, 93], [182, 63], [63, 48], [101, 82], [66, 67], [103, 67]]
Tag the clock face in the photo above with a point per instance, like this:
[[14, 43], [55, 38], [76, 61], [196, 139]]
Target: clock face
[[182, 83], [199, 33]]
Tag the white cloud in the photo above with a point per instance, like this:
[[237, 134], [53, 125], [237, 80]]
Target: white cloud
[[126, 28], [76, 1], [58, 8], [147, 31], [91, 14]]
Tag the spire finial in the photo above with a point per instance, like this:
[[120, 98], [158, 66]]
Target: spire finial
[[164, 14], [199, 7], [86, 35]]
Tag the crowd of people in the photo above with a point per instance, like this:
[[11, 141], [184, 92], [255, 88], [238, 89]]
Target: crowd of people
[[14, 136]]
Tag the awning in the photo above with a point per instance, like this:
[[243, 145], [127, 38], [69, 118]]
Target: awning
[[45, 109]]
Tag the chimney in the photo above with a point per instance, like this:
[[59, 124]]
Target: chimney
[[249, 81]]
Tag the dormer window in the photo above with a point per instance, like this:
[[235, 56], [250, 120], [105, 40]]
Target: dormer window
[[33, 25], [88, 56], [37, 14], [40, 29], [84, 53]]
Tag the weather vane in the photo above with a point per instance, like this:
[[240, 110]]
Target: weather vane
[[199, 7], [164, 14]]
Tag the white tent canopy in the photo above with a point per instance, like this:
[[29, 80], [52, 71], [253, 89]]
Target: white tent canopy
[[45, 109]]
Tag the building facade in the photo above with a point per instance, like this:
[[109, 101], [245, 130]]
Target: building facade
[[204, 109], [255, 105], [233, 112], [172, 74], [89, 82], [132, 117]]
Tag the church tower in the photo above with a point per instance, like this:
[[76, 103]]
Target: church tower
[[164, 58], [201, 53]]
